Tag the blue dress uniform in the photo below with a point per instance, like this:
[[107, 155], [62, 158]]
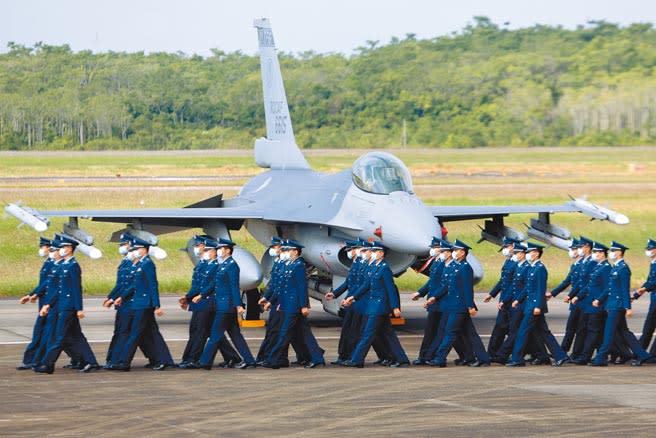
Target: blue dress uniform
[[40, 322], [534, 297], [595, 317], [66, 303], [121, 319], [202, 316], [273, 323], [143, 296], [348, 335], [585, 271], [517, 312], [574, 308], [292, 296], [616, 299], [434, 313], [458, 295], [650, 286], [224, 284], [380, 296], [502, 323]]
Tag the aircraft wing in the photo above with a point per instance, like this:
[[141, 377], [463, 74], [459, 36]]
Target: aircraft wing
[[453, 213], [539, 228]]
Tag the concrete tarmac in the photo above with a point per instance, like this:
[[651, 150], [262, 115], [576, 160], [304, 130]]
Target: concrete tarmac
[[374, 401]]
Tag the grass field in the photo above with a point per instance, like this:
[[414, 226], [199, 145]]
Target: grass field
[[623, 178]]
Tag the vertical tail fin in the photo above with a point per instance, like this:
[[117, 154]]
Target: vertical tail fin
[[279, 149]]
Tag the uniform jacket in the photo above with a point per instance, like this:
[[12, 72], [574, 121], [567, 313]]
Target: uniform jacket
[[352, 280], [143, 289], [457, 292], [650, 283], [518, 284], [292, 294], [68, 294], [533, 294], [570, 280], [379, 292], [595, 287], [223, 281], [617, 295], [433, 284], [504, 285], [41, 288]]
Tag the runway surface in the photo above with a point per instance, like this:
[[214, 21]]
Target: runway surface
[[374, 401]]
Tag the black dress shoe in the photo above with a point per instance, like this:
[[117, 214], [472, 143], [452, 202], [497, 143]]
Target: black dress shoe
[[90, 367], [228, 364], [479, 363], [120, 367], [315, 364], [537, 361], [69, 366], [378, 362], [47, 369], [435, 363], [350, 364], [266, 364], [150, 365], [515, 364], [419, 362], [598, 364], [160, 367], [636, 363], [24, 366], [399, 364], [620, 361], [259, 362], [337, 361], [561, 362], [498, 360], [299, 362], [186, 366], [246, 365], [385, 363]]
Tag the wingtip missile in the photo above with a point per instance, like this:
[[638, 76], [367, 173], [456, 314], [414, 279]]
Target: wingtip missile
[[28, 216], [598, 212]]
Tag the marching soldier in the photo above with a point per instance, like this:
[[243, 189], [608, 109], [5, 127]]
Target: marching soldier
[[293, 303], [381, 300], [38, 292], [143, 295], [223, 283], [583, 278], [570, 281], [535, 308], [649, 286], [616, 299], [595, 316], [503, 286], [203, 312], [67, 303], [348, 333], [434, 314]]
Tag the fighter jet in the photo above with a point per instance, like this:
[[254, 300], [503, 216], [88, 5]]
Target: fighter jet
[[373, 200]]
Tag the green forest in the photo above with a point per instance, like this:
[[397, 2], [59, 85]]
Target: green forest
[[485, 85]]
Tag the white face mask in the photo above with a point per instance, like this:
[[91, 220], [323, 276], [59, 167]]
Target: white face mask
[[442, 256], [129, 256], [123, 250], [514, 258], [206, 255], [136, 255], [648, 253], [284, 256], [63, 252], [349, 254], [595, 256], [433, 252], [529, 257], [505, 252], [373, 256], [51, 255], [612, 255], [580, 252], [362, 255], [42, 252], [273, 252], [572, 253], [196, 251]]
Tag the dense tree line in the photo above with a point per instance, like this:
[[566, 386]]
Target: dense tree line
[[485, 85]]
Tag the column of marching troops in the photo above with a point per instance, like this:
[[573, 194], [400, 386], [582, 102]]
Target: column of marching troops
[[599, 300]]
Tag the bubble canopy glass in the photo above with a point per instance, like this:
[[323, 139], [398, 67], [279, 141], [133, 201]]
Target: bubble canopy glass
[[381, 173]]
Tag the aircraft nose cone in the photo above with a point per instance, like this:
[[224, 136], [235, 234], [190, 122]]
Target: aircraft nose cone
[[409, 226]]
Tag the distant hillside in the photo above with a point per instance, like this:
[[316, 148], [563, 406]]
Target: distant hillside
[[482, 86]]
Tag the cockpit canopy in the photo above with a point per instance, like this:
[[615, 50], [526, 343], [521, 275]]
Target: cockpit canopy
[[381, 173]]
